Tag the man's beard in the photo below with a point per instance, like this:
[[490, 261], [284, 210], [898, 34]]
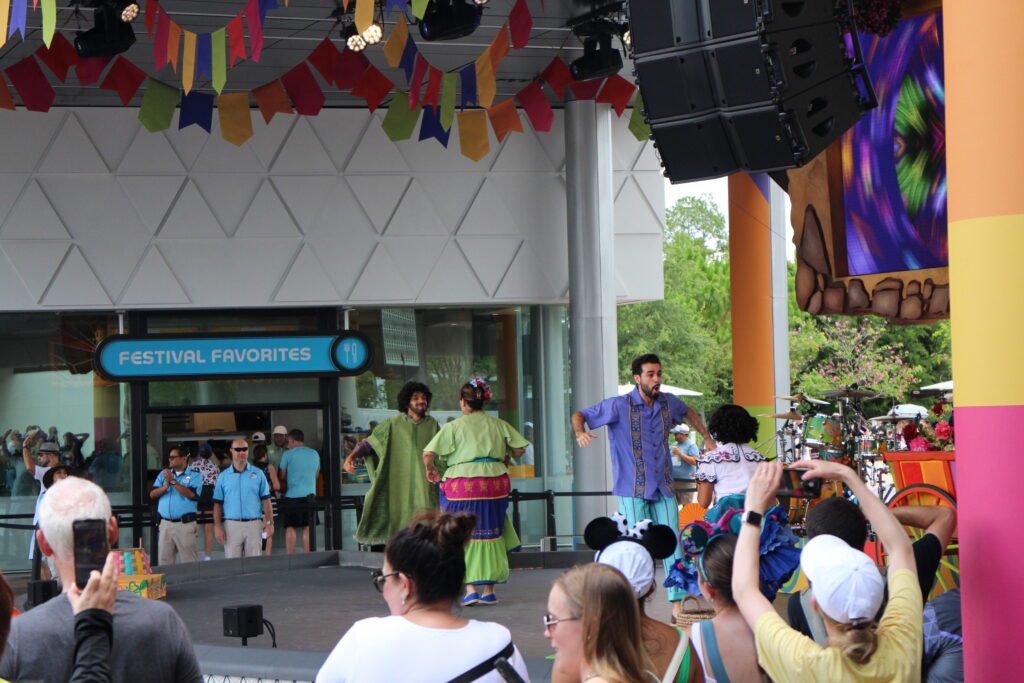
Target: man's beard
[[419, 412], [650, 392]]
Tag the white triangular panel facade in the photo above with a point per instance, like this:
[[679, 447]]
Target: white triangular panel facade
[[306, 281], [381, 280], [73, 151], [490, 257], [267, 216], [76, 284], [191, 217], [154, 283], [33, 217]]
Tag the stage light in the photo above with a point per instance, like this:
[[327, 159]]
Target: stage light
[[373, 34], [450, 19], [627, 38], [110, 34], [599, 60], [128, 10]]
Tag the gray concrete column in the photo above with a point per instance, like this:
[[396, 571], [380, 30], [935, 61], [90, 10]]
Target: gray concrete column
[[592, 323], [779, 223]]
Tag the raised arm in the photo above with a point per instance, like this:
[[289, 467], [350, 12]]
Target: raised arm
[[693, 418], [934, 519], [579, 430], [26, 454]]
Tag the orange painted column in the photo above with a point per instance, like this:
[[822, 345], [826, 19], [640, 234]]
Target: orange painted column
[[750, 279], [985, 145]]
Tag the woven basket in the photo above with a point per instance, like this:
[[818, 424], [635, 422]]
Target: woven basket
[[689, 617]]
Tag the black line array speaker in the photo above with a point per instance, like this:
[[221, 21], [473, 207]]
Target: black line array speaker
[[746, 85]]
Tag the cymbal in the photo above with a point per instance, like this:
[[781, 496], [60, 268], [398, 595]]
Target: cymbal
[[851, 393], [803, 398], [791, 415]]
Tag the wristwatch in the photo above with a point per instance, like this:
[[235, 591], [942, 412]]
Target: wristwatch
[[751, 517]]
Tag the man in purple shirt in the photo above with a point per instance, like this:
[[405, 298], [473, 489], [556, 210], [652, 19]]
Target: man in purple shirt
[[639, 424]]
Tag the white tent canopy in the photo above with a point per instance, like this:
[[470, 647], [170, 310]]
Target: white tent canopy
[[909, 411], [666, 388], [941, 386]]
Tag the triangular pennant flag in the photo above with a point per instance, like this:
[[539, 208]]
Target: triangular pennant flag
[[399, 5], [303, 90], [18, 11], [252, 19], [218, 59], [271, 99], [473, 142], [499, 47], [29, 80], [408, 61], [188, 61], [449, 82], [235, 117], [364, 14], [395, 45], [520, 23], [400, 121], [536, 106], [486, 87], [556, 74], [419, 8], [616, 91], [431, 127], [173, 45], [152, 9], [90, 69], [49, 20], [5, 15], [372, 87], [163, 32], [236, 41], [468, 77], [505, 119], [349, 68], [266, 6], [430, 98], [204, 57], [416, 85], [158, 103], [59, 57], [324, 59], [6, 101], [124, 78], [196, 109], [637, 126], [585, 90]]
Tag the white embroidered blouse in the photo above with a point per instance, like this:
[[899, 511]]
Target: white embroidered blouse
[[729, 467]]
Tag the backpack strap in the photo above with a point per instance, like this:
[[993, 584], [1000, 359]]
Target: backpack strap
[[707, 632], [485, 666]]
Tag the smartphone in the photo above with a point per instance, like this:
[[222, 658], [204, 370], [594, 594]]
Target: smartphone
[[795, 487], [91, 548]]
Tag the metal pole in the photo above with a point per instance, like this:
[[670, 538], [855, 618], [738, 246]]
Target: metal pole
[[779, 223], [592, 321]]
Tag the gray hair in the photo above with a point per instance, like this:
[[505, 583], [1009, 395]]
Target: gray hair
[[66, 501]]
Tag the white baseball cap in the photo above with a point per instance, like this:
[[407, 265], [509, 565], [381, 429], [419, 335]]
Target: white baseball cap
[[280, 429], [846, 583], [634, 561], [680, 429], [259, 437]]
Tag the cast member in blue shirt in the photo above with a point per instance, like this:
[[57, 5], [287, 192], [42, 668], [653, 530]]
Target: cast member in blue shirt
[[638, 428], [176, 491], [299, 467], [241, 505]]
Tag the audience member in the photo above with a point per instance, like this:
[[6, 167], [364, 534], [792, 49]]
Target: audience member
[[422, 641], [723, 474], [943, 639], [276, 449], [261, 459], [848, 591], [593, 623], [241, 505], [94, 623], [299, 468], [41, 644], [204, 464], [684, 460]]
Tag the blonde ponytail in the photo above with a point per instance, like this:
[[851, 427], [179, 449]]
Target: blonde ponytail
[[857, 641]]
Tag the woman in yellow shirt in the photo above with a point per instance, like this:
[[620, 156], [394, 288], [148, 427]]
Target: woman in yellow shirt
[[848, 591]]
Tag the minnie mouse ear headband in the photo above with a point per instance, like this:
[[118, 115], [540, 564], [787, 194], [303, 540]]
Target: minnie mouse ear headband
[[631, 550]]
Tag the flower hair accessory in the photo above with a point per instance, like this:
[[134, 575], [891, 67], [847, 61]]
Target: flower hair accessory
[[485, 389]]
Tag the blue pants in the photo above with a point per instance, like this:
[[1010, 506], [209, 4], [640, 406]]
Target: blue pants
[[661, 511]]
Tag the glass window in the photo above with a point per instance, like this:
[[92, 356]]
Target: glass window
[[228, 392], [192, 322], [47, 384]]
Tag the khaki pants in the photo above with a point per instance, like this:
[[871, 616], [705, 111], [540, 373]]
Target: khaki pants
[[243, 538], [177, 538]]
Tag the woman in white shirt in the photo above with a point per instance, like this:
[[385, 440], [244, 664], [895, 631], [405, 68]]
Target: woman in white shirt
[[422, 641], [723, 474]]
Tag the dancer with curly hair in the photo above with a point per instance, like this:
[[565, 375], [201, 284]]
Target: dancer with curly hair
[[723, 474]]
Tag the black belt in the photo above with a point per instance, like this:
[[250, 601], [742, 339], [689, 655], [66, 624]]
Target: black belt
[[251, 519], [187, 519]]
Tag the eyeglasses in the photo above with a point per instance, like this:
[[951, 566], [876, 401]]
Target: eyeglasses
[[550, 621], [379, 577], [244, 449]]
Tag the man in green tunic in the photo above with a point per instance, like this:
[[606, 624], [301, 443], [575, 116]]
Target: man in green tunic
[[393, 456]]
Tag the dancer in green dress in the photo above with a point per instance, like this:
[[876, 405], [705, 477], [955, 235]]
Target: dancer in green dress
[[393, 456]]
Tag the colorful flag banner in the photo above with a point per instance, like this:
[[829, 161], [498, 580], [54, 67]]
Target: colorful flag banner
[[419, 8], [163, 32], [408, 61], [585, 90], [536, 106], [124, 78], [266, 6], [419, 72], [324, 59], [449, 82], [173, 45], [6, 100], [152, 9], [556, 74], [90, 69], [18, 11], [29, 80], [430, 98], [473, 142], [271, 99], [499, 47], [364, 14], [218, 60], [5, 16], [617, 92], [486, 86], [372, 87], [196, 109], [520, 23], [431, 127], [236, 41], [204, 57], [252, 19], [349, 68], [637, 126], [304, 91], [188, 61], [49, 20], [158, 103], [393, 5], [400, 121], [59, 57], [468, 77], [505, 119], [394, 48], [235, 117]]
